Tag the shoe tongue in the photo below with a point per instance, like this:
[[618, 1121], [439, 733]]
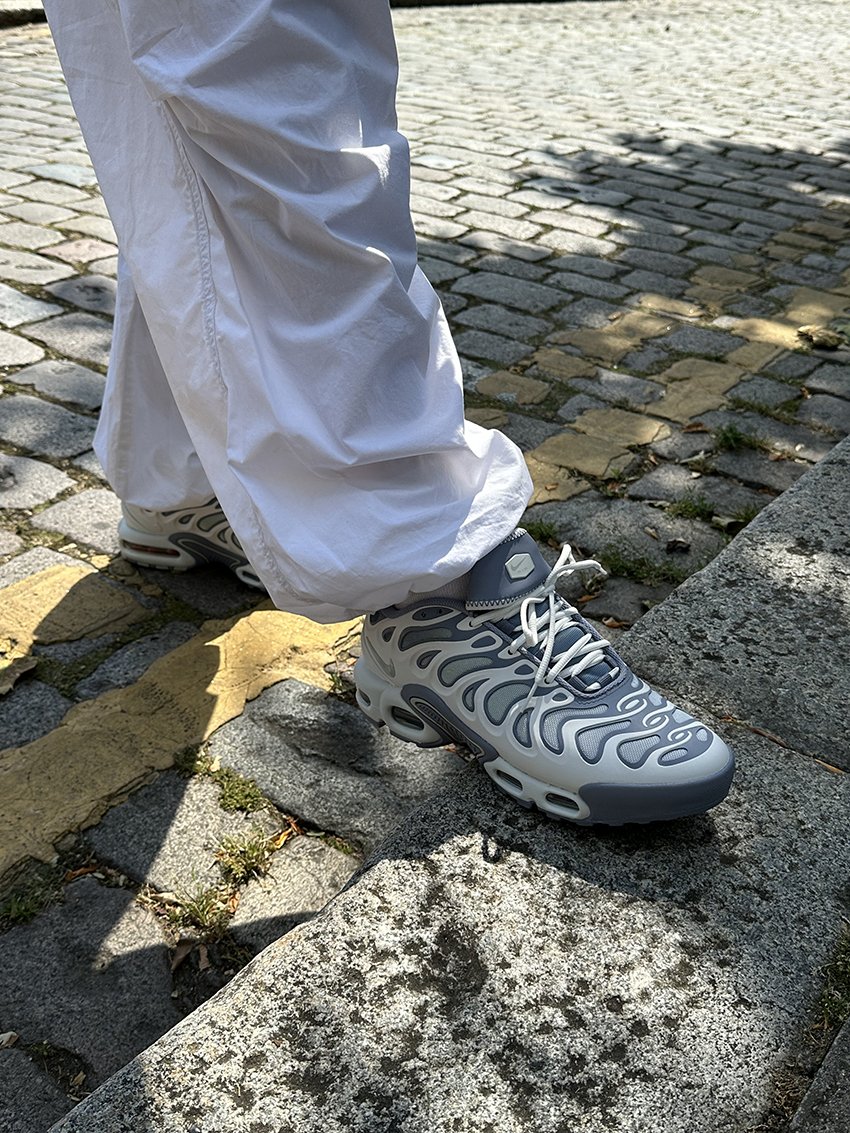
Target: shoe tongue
[[509, 572], [512, 571]]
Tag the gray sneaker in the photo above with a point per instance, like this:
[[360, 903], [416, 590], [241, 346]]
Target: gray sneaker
[[555, 715], [182, 539]]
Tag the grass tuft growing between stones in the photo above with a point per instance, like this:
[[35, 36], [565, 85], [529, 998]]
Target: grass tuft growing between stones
[[241, 859], [250, 855], [834, 1004], [339, 844], [640, 568], [746, 515], [730, 438], [691, 506], [200, 912], [786, 411], [30, 899], [192, 761], [235, 791], [542, 531]]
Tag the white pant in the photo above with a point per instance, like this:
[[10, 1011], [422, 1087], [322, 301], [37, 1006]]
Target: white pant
[[275, 343]]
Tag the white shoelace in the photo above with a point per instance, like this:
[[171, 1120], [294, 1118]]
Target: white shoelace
[[557, 616]]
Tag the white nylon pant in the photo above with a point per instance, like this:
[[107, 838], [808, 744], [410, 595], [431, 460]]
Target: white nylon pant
[[275, 343]]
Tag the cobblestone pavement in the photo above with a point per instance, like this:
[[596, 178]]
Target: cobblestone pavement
[[630, 210]]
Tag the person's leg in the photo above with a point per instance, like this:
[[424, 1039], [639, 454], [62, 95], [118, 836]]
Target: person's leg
[[141, 440], [252, 167], [264, 215]]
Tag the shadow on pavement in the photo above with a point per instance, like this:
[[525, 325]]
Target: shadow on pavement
[[746, 196]]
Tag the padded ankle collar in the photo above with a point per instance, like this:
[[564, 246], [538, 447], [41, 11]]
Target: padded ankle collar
[[511, 571]]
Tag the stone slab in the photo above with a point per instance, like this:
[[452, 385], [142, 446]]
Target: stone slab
[[30, 1100], [573, 408], [492, 347], [529, 432], [793, 440], [305, 874], [552, 483], [652, 978], [91, 292], [33, 562], [37, 212], [90, 517], [621, 388], [756, 468], [66, 381], [761, 391], [128, 663], [43, 428], [100, 228], [85, 250], [512, 292], [830, 379], [826, 412], [624, 601], [166, 834], [81, 336], [65, 602], [26, 267], [636, 531], [19, 234], [9, 543], [730, 634], [513, 388], [213, 591], [590, 456], [90, 975], [30, 710], [24, 483], [320, 759], [16, 351], [670, 482], [620, 426], [683, 446], [17, 307], [80, 176], [88, 462]]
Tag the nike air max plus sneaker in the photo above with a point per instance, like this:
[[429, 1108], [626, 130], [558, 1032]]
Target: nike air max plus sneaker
[[182, 539], [556, 716]]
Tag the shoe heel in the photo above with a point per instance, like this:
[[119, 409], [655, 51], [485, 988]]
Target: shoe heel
[[383, 703], [150, 550]]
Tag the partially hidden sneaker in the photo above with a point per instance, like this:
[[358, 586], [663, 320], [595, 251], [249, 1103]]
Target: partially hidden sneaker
[[555, 715], [182, 539]]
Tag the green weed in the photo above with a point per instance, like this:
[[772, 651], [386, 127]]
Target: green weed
[[205, 910], [691, 506], [834, 1004], [542, 531], [640, 568], [730, 438], [28, 901], [237, 792], [242, 858]]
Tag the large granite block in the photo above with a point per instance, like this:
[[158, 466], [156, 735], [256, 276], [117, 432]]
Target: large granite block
[[496, 970], [764, 630]]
